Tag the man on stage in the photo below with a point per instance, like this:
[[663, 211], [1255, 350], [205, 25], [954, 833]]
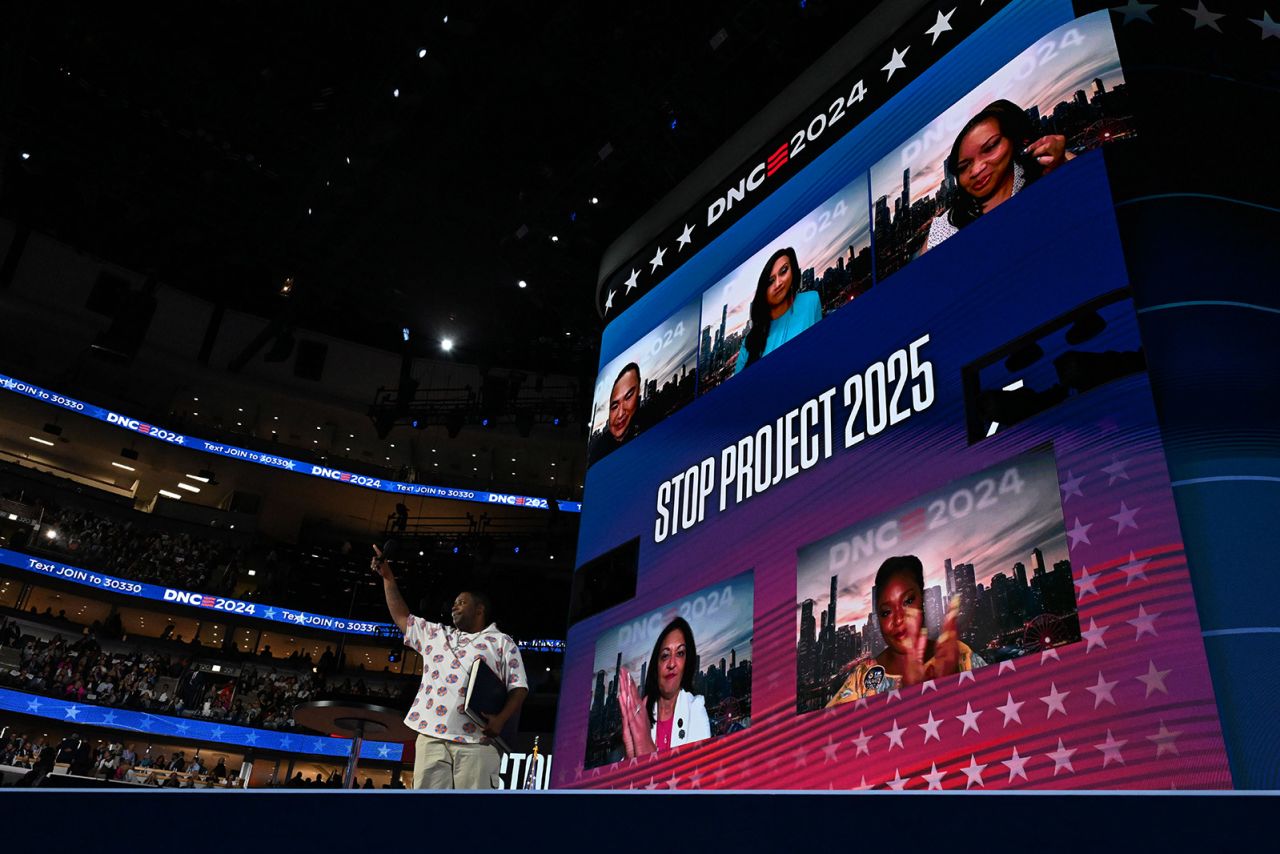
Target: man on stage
[[452, 751]]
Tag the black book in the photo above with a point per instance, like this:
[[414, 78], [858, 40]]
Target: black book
[[486, 695]]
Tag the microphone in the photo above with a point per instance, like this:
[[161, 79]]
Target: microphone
[[391, 550]]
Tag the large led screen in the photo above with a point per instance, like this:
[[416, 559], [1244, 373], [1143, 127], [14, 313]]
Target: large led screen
[[966, 565]]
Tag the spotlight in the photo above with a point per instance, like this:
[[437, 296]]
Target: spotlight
[[446, 344], [422, 53], [522, 284], [26, 155]]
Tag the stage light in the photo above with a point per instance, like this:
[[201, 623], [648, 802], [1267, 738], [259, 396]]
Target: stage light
[[41, 441], [594, 200], [287, 287], [404, 333], [422, 53], [51, 533], [555, 239], [673, 124], [484, 422], [395, 93], [199, 477], [188, 487], [522, 284], [167, 494], [26, 155], [446, 344]]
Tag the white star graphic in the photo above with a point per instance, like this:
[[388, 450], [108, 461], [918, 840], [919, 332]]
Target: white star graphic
[[895, 694], [1016, 764], [969, 719], [930, 728], [1164, 741], [1010, 711], [895, 735], [216, 733], [695, 779], [1270, 29], [633, 280], [1135, 11], [286, 742], [898, 783], [860, 703], [685, 237], [940, 26], [1204, 18], [1071, 486], [34, 706], [656, 261], [70, 712], [1054, 700], [109, 718], [829, 752], [966, 676], [673, 782], [1046, 654], [1079, 533], [1135, 568], [317, 746], [862, 784], [1144, 623], [895, 62], [608, 303], [1102, 691], [928, 685], [862, 741], [270, 613], [1093, 635], [652, 785], [973, 772], [1116, 471], [182, 726], [798, 754], [1062, 758], [1007, 664], [1124, 519], [1111, 749], [252, 737], [934, 777], [1154, 679], [1086, 583], [384, 750]]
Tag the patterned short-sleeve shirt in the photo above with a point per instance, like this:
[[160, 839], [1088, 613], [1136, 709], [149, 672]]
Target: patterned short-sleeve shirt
[[447, 656]]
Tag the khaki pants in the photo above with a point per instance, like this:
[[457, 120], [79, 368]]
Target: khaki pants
[[440, 764]]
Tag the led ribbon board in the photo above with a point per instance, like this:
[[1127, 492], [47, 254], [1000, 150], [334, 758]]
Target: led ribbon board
[[161, 726], [157, 593], [233, 607], [162, 434]]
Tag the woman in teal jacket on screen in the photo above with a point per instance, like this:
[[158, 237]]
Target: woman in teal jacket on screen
[[778, 312]]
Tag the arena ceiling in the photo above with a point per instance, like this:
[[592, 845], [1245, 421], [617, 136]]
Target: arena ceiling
[[407, 164]]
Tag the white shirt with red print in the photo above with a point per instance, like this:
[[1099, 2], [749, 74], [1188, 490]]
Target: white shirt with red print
[[447, 656]]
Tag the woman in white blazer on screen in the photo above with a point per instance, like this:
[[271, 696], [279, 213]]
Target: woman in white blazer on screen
[[668, 714]]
